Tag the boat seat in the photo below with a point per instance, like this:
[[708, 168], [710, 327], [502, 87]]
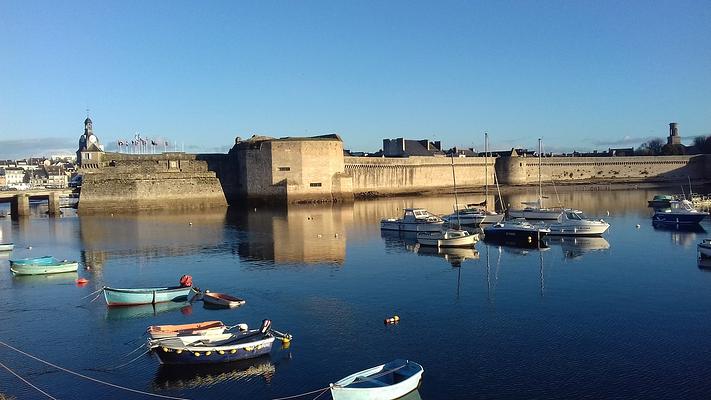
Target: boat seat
[[368, 380]]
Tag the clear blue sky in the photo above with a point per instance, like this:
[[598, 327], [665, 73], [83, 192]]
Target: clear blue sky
[[582, 75]]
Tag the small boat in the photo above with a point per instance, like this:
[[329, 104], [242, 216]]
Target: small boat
[[704, 248], [533, 211], [517, 233], [414, 220], [222, 299], [680, 212], [573, 223], [131, 297], [384, 382], [473, 215], [45, 266], [448, 238], [198, 328], [661, 201], [7, 246], [238, 346], [44, 260]]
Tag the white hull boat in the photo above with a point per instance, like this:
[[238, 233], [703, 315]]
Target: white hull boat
[[6, 246], [704, 248], [385, 382], [473, 216], [574, 223], [414, 220], [448, 238], [538, 214]]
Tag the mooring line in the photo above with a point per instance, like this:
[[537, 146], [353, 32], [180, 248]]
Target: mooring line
[[91, 294], [322, 390], [27, 382], [90, 378]]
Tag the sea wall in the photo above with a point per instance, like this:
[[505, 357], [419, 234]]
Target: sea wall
[[168, 181]]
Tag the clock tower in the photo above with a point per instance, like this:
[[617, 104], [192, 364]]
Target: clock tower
[[90, 151]]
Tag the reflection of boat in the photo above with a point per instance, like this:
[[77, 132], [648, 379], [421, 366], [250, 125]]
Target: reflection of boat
[[454, 255], [6, 246], [239, 346], [222, 300], [448, 238], [67, 277], [680, 212], [132, 297], [704, 248], [384, 382], [691, 228], [516, 233], [175, 377], [573, 223], [414, 220], [660, 201], [704, 264], [578, 245], [398, 240], [147, 310]]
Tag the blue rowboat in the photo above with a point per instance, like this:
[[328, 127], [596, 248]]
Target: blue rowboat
[[44, 260], [389, 381], [42, 269], [238, 346], [132, 297]]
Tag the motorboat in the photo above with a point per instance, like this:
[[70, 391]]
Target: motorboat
[[573, 223], [473, 215], [388, 381], [414, 220], [517, 232], [680, 212], [448, 238], [704, 248], [661, 201]]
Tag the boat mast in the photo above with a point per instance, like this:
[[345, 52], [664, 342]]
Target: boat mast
[[540, 187], [456, 202], [486, 171]]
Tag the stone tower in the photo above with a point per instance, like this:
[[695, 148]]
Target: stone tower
[[674, 137], [90, 151]]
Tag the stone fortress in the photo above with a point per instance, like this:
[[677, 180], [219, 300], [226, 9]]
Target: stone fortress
[[315, 169]]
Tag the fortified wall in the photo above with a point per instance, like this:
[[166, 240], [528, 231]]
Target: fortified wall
[[119, 182]]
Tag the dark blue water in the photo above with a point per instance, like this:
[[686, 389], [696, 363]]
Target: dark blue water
[[626, 316]]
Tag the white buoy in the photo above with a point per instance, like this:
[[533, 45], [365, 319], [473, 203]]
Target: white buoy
[[638, 226], [190, 223], [608, 213], [319, 235], [29, 247]]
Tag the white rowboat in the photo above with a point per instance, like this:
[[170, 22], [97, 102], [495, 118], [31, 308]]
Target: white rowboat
[[385, 382]]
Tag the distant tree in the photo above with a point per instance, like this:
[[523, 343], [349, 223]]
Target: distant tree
[[673, 150], [652, 147], [703, 144]]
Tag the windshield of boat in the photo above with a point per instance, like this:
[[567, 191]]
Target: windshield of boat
[[574, 216]]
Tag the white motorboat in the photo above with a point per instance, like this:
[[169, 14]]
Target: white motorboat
[[448, 238], [573, 223], [414, 220], [704, 248], [473, 215]]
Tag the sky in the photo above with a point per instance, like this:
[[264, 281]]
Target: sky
[[582, 75]]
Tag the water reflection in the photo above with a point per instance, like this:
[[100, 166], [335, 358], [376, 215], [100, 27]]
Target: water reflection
[[454, 256], [574, 247], [147, 310], [682, 235], [40, 280], [704, 264], [177, 377]]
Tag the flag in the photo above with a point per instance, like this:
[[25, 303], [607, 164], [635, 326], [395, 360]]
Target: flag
[[153, 142], [166, 142]]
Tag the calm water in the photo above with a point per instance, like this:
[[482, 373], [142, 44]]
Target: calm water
[[626, 316]]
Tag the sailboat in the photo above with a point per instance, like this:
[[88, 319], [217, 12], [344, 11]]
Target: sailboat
[[451, 236], [534, 210], [473, 214]]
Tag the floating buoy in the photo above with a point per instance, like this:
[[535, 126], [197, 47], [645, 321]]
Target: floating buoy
[[336, 235], [392, 320], [82, 281], [190, 223], [29, 247], [319, 235], [608, 213], [87, 268], [637, 226]]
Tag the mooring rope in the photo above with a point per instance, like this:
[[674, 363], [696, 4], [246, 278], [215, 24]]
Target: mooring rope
[[322, 390], [90, 378], [92, 293], [122, 365], [27, 382]]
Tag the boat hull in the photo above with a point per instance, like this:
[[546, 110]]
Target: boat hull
[[395, 225], [200, 328], [213, 355], [37, 269], [6, 246], [704, 249], [379, 391], [222, 300], [577, 230], [131, 297], [515, 238], [45, 260], [679, 219], [537, 215], [433, 239]]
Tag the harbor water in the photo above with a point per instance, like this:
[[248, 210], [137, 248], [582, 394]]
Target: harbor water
[[622, 316]]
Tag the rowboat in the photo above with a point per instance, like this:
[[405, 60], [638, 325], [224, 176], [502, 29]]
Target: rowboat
[[44, 260], [238, 346], [56, 267], [384, 382], [130, 297], [448, 238], [198, 328], [222, 299], [6, 246]]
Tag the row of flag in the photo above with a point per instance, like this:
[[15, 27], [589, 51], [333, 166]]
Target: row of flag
[[139, 141]]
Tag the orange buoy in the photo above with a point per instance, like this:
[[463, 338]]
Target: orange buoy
[[82, 281], [392, 320]]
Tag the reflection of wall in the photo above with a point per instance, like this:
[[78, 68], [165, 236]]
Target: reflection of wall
[[298, 234]]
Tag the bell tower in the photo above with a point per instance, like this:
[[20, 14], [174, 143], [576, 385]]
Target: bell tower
[[90, 151]]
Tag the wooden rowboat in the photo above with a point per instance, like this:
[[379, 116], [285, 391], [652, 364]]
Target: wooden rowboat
[[222, 300], [131, 297], [384, 382], [6, 246], [199, 328], [56, 267]]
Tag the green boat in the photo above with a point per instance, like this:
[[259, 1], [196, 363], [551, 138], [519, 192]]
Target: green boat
[[55, 267]]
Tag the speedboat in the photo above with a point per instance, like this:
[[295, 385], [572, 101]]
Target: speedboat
[[473, 215], [516, 232], [680, 212], [414, 220], [573, 223], [533, 211], [660, 201], [704, 248], [448, 238]]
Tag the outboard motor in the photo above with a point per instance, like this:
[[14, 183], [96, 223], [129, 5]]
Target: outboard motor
[[186, 281], [266, 325]]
